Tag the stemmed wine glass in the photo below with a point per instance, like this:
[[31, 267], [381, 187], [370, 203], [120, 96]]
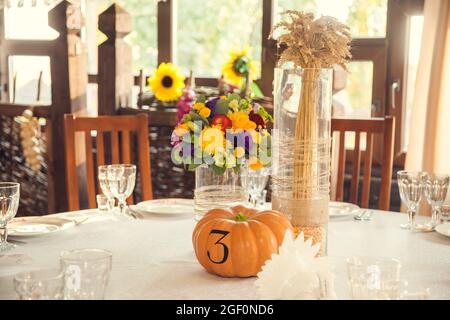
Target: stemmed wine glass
[[410, 186], [435, 190], [121, 181], [104, 185], [254, 182], [9, 203]]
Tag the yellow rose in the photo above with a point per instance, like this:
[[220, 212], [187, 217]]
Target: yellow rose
[[198, 106], [239, 152], [181, 129], [205, 112], [255, 163], [211, 140]]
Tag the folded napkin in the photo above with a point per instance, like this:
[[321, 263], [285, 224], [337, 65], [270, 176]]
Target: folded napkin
[[296, 273]]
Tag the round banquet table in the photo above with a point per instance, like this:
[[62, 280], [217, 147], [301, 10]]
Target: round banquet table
[[153, 258]]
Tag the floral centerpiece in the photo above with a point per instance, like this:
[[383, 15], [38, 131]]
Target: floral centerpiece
[[217, 139], [222, 133]]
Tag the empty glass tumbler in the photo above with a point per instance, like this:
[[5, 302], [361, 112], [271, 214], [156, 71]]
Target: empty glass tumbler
[[86, 273], [39, 285], [374, 278]]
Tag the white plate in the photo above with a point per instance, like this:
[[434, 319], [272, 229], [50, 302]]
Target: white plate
[[443, 229], [35, 226], [340, 209], [167, 207]]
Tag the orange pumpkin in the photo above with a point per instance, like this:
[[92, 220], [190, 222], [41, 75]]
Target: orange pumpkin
[[237, 242]]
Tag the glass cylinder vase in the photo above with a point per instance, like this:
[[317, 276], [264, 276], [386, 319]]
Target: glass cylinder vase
[[301, 149], [214, 190]]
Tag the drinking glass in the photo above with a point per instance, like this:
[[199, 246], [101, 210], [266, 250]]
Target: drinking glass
[[121, 180], [410, 186], [103, 182], [374, 278], [445, 213], [254, 182], [104, 203], [9, 203], [435, 190], [39, 285], [86, 273]]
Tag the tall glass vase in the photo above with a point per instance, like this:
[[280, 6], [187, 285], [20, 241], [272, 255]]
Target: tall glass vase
[[301, 149], [217, 191]]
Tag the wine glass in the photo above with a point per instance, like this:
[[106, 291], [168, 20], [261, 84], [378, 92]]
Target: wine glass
[[254, 182], [121, 181], [435, 190], [104, 185], [410, 186], [9, 203]]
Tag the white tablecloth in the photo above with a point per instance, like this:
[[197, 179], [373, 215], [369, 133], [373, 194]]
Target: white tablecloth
[[154, 258]]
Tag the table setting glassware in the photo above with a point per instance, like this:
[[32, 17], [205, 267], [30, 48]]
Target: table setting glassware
[[86, 273], [254, 181], [45, 284], [435, 191], [9, 203], [104, 186], [374, 278], [410, 185], [121, 181], [445, 213], [105, 204]]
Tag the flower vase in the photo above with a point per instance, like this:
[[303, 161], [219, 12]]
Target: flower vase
[[301, 149], [214, 190]]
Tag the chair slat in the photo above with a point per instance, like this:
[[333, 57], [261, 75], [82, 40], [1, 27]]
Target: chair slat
[[355, 169], [388, 163], [144, 158], [90, 180], [100, 148], [115, 147], [367, 170], [341, 168], [126, 151]]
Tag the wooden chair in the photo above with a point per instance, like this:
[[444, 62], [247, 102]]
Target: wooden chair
[[383, 126], [112, 125]]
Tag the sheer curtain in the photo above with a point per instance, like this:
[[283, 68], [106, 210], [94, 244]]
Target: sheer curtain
[[429, 143]]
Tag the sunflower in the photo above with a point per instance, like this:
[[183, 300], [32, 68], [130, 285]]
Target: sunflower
[[166, 83], [238, 66]]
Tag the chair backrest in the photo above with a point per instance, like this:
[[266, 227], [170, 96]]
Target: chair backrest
[[383, 126], [114, 126]]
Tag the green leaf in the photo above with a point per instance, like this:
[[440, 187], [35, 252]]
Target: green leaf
[[256, 90], [264, 114], [193, 166], [221, 107], [201, 98], [218, 170], [234, 96]]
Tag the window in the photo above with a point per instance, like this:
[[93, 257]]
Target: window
[[24, 74], [366, 18], [143, 38], [36, 26], [208, 29], [352, 101], [415, 39]]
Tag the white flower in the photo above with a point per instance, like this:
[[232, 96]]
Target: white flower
[[295, 272]]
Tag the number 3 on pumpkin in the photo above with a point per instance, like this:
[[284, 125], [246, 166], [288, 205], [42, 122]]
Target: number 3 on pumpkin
[[225, 248]]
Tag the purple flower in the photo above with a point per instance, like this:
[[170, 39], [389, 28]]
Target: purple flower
[[211, 104]]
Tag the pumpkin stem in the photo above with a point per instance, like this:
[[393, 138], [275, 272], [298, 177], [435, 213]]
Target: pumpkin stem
[[241, 217]]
